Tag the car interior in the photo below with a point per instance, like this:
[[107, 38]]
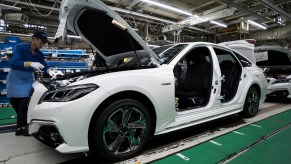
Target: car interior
[[193, 79], [231, 71]]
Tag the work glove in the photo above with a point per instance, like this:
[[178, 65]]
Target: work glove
[[55, 73], [36, 65]]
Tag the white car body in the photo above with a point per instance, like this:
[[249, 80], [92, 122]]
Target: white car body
[[270, 80], [72, 125], [280, 88]]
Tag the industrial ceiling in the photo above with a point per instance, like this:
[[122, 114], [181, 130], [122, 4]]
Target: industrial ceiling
[[195, 20]]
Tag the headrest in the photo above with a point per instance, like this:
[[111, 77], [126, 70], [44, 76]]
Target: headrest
[[226, 64], [197, 58]]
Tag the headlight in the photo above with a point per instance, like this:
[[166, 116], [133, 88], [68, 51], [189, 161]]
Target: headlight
[[67, 93]]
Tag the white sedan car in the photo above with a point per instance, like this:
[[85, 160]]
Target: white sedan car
[[113, 112]]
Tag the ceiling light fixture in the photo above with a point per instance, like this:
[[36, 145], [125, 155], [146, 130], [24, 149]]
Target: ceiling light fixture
[[257, 24], [154, 46], [18, 34], [152, 17], [218, 23], [9, 33], [73, 36], [168, 7], [3, 6], [142, 15]]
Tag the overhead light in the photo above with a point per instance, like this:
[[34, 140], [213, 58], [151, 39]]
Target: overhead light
[[18, 34], [3, 6], [73, 36], [167, 7], [150, 17], [153, 46], [142, 15], [9, 33], [257, 24], [218, 23]]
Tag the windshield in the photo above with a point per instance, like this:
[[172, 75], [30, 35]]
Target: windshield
[[169, 54], [166, 53], [161, 49]]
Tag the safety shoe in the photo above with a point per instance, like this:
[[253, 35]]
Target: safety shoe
[[22, 131]]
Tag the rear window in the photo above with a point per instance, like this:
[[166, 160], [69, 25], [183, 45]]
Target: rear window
[[245, 62], [275, 58]]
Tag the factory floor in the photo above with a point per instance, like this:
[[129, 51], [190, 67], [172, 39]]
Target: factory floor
[[265, 141], [259, 140]]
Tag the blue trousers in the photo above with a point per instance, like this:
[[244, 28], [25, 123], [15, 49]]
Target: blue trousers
[[20, 106]]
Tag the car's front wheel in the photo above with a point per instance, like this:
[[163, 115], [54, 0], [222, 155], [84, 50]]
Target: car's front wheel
[[122, 130], [252, 101]]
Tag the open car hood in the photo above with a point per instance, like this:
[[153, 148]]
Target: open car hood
[[102, 28]]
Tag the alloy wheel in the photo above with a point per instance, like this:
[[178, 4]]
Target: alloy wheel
[[253, 102], [124, 130]]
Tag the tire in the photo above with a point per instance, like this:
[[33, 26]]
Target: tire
[[114, 138], [251, 105]]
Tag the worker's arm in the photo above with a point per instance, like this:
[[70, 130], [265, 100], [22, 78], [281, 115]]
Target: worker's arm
[[16, 61]]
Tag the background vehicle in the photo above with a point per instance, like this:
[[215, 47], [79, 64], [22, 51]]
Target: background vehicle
[[276, 63], [280, 87]]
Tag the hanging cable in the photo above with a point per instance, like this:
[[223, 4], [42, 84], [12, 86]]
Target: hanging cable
[[15, 3], [156, 29], [38, 11], [140, 21], [134, 22]]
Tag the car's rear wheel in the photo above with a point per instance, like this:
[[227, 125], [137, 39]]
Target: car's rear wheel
[[122, 130], [251, 105]]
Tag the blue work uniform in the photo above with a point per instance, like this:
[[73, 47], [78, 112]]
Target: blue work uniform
[[19, 80]]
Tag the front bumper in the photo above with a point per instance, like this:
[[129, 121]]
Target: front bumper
[[46, 132], [280, 90], [63, 125]]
